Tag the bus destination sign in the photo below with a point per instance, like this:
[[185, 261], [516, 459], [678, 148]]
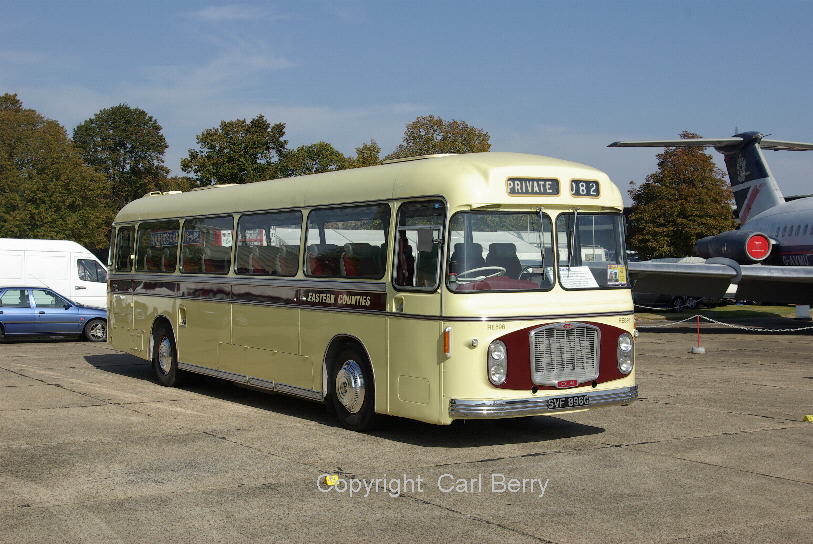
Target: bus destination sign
[[532, 186], [584, 187]]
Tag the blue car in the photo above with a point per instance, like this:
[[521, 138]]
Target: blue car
[[39, 311]]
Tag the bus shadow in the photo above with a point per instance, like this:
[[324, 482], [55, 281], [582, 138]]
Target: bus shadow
[[461, 434], [477, 433]]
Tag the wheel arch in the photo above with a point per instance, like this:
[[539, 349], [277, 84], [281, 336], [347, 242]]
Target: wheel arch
[[336, 344], [159, 321]]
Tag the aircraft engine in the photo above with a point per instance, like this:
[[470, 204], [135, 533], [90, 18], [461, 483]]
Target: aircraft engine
[[745, 247]]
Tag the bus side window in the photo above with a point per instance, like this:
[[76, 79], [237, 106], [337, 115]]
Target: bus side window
[[157, 246], [268, 244], [349, 242], [417, 245], [124, 249], [206, 246]]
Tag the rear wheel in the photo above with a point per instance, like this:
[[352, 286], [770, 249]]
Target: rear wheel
[[351, 390], [96, 330], [165, 358]]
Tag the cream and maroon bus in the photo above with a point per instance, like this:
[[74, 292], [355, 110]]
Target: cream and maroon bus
[[486, 285]]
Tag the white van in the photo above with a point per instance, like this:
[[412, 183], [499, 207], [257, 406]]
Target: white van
[[66, 267]]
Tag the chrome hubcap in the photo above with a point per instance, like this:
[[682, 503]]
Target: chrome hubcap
[[350, 386], [97, 331], [165, 355]]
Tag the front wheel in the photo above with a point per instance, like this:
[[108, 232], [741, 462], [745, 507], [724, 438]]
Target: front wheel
[[351, 390], [165, 358], [96, 330]]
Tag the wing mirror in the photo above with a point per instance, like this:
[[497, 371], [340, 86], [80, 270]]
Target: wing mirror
[[66, 306]]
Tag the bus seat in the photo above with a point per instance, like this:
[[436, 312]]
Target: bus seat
[[191, 260], [405, 270], [466, 257], [505, 256], [361, 260], [323, 259], [264, 261], [169, 257], [243, 259], [426, 268], [288, 260], [216, 260], [152, 261]]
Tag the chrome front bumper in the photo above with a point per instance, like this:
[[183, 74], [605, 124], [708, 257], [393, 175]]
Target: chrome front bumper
[[488, 409]]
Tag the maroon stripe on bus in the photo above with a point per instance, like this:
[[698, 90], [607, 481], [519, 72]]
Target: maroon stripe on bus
[[211, 291], [161, 288], [332, 298], [252, 293], [121, 286], [267, 294]]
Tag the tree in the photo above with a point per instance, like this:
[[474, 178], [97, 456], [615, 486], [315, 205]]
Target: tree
[[686, 199], [46, 190], [127, 145], [237, 151], [311, 159], [429, 134], [176, 183], [367, 154]]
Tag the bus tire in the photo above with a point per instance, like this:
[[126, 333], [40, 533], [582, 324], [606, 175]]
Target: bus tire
[[165, 357], [95, 330], [351, 390]]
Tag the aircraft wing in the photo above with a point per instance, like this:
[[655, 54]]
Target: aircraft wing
[[700, 280], [778, 145], [785, 284], [774, 145], [688, 142], [780, 284]]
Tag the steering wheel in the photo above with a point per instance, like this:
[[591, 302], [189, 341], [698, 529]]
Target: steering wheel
[[496, 271]]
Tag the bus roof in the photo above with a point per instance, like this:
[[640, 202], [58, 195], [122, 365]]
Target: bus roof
[[475, 179]]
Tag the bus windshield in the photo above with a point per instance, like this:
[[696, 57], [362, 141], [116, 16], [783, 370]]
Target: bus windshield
[[592, 255], [500, 251]]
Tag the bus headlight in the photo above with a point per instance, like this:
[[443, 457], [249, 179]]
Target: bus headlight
[[624, 353], [497, 362]]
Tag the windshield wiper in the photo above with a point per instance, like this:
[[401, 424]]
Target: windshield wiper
[[572, 259], [541, 237]]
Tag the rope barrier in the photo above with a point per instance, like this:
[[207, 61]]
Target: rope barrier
[[730, 325]]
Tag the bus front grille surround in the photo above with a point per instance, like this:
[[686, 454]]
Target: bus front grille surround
[[564, 352]]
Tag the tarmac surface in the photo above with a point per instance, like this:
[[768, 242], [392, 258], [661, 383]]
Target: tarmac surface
[[715, 450]]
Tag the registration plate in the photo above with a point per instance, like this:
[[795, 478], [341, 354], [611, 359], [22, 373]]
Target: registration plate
[[562, 403]]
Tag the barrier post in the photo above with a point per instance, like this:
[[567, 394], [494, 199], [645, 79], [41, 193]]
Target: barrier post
[[698, 348]]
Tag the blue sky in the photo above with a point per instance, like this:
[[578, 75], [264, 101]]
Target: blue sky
[[555, 78]]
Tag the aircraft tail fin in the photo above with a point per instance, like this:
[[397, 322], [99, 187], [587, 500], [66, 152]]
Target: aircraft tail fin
[[755, 188]]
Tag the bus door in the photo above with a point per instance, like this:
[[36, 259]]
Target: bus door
[[414, 304], [120, 310]]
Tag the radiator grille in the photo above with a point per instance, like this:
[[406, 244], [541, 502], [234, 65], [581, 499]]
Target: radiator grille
[[567, 351]]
